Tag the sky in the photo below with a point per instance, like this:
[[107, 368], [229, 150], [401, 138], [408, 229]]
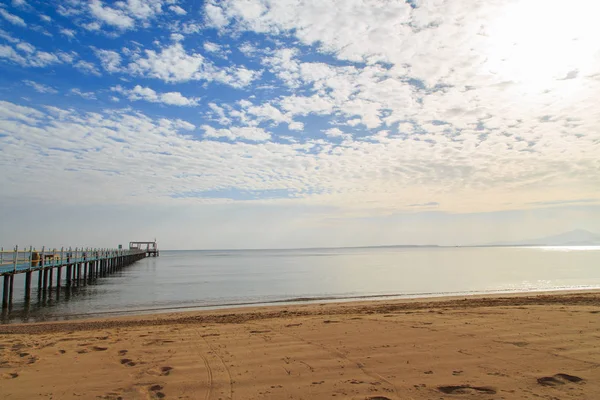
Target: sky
[[293, 123]]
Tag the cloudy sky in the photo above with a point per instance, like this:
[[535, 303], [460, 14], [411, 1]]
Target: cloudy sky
[[292, 123]]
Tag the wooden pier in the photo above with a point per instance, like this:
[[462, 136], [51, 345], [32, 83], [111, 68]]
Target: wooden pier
[[81, 266]]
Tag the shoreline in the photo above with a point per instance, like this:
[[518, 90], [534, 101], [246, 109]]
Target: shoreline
[[366, 304], [292, 302]]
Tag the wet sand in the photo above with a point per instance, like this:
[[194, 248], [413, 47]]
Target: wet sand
[[511, 347]]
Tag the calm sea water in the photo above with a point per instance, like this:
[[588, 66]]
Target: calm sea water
[[179, 280]]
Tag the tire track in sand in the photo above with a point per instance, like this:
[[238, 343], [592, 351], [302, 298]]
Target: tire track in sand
[[209, 372], [217, 355]]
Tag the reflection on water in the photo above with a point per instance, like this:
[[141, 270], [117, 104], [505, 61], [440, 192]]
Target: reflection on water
[[188, 279]]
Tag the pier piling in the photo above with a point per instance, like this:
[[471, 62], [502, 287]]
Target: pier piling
[[45, 284], [28, 285], [11, 285], [5, 291]]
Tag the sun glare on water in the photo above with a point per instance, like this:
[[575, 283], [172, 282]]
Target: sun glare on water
[[538, 44]]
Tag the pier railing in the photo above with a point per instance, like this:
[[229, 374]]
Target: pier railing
[[30, 259]]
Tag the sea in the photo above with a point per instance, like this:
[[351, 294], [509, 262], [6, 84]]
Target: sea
[[205, 280]]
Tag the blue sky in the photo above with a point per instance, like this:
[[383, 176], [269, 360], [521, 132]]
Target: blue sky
[[263, 123]]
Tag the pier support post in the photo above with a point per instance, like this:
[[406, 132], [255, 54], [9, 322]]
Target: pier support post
[[27, 285], [45, 284], [68, 276], [78, 273], [50, 278], [40, 280], [58, 276], [5, 291], [10, 290]]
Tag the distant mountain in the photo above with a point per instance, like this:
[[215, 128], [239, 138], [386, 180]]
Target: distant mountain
[[578, 237]]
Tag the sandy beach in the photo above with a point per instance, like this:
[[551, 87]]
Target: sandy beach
[[509, 347]]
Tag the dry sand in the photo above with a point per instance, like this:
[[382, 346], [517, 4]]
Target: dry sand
[[516, 347]]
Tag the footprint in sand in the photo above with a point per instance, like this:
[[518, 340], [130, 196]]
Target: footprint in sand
[[378, 398], [128, 362], [112, 396], [122, 352], [156, 391], [11, 375], [98, 348], [559, 379], [466, 389], [165, 370]]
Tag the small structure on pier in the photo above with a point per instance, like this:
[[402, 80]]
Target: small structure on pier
[[151, 248]]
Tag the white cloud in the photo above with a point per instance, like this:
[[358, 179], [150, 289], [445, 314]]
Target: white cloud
[[111, 16], [43, 59], [6, 36], [336, 132], [117, 16], [177, 37], [26, 47], [87, 67], [70, 33], [40, 87], [9, 53], [173, 64], [214, 15], [19, 3], [284, 64], [295, 126], [248, 49], [29, 57], [67, 58], [45, 18], [218, 113], [85, 95], [190, 28], [147, 94], [211, 47], [177, 10], [170, 64], [13, 19], [110, 60], [92, 26], [253, 134]]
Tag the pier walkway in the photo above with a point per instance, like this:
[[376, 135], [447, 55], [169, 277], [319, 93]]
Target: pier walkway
[[82, 265]]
